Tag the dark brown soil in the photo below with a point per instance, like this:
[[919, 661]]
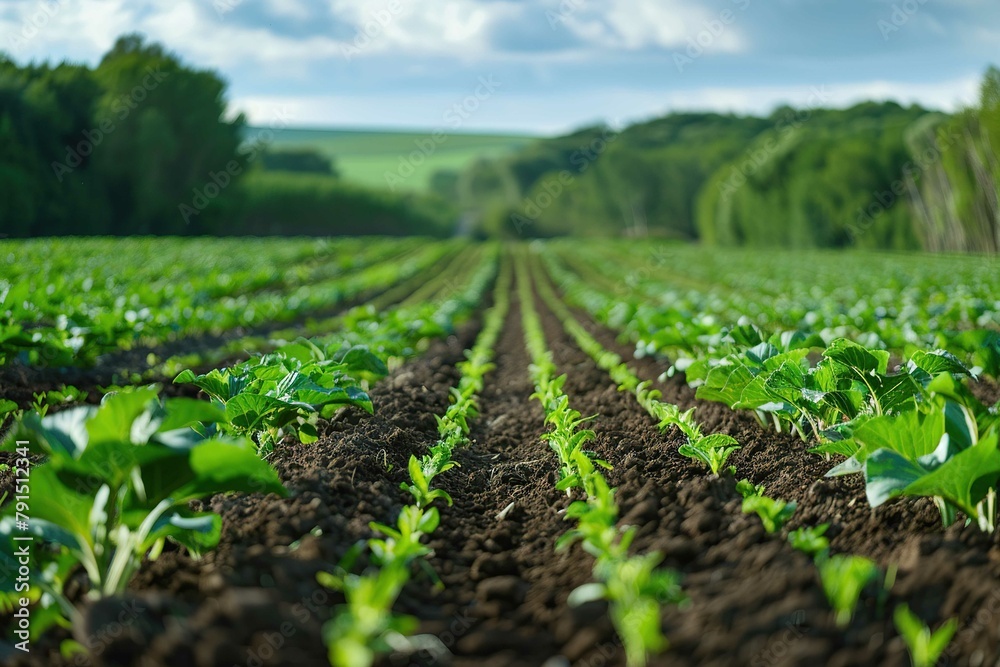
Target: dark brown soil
[[753, 600], [20, 383]]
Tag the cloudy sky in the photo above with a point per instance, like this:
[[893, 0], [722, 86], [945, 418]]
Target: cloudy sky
[[535, 65]]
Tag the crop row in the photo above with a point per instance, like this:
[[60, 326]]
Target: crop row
[[69, 318], [117, 479], [633, 586], [919, 431], [365, 624], [844, 578], [675, 301]]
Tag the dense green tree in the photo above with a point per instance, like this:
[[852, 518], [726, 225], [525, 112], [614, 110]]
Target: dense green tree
[[167, 140], [298, 160]]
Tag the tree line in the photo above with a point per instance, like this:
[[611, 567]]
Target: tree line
[[876, 175], [141, 144]]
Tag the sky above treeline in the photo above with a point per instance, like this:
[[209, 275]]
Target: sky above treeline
[[535, 66]]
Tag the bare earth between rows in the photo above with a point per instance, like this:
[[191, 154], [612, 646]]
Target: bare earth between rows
[[753, 600]]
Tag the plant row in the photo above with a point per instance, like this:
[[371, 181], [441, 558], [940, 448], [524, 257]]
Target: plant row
[[633, 586], [918, 431], [844, 578], [51, 314], [674, 300], [365, 625], [117, 479]]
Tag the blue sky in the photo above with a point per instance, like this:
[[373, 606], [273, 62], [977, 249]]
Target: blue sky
[[552, 65]]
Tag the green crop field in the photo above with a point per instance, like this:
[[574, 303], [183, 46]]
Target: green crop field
[[413, 427], [499, 334], [364, 156]]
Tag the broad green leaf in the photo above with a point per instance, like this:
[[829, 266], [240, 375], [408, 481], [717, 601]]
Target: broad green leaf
[[964, 479], [934, 363], [726, 384], [846, 448], [221, 466], [911, 434], [185, 412], [113, 421], [887, 474], [858, 358], [59, 512], [61, 435], [199, 532], [249, 411], [308, 434], [360, 359]]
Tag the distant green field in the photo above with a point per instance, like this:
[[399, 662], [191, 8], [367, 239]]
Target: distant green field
[[364, 156]]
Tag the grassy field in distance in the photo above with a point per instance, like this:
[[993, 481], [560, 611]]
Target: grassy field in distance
[[363, 156]]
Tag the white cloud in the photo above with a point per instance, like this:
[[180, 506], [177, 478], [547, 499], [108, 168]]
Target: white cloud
[[554, 113], [637, 24], [449, 27], [32, 29]]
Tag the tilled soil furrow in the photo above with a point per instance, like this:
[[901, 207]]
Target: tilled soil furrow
[[19, 383], [504, 600], [254, 600], [754, 600]]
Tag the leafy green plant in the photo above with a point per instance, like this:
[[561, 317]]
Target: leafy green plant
[[712, 450], [925, 646], [420, 480], [850, 381], [63, 396], [746, 488], [6, 408], [288, 389], [117, 482], [633, 585], [947, 450], [364, 627], [773, 513], [844, 578], [810, 540]]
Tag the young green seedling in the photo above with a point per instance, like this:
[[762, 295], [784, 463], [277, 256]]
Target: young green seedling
[[844, 578], [746, 488], [925, 646], [117, 483], [773, 513], [809, 540], [419, 485], [712, 450]]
